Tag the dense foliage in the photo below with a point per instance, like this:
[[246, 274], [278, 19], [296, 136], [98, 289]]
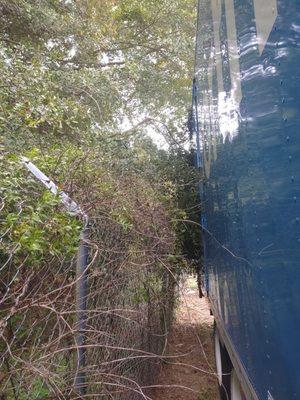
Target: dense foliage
[[83, 84], [81, 70]]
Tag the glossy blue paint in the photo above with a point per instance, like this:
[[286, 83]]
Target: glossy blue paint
[[251, 191]]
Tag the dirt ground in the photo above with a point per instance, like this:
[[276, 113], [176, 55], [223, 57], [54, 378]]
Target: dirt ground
[[189, 373]]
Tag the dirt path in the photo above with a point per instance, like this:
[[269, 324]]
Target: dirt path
[[191, 343]]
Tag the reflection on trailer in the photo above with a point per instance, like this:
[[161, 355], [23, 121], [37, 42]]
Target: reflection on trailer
[[246, 103]]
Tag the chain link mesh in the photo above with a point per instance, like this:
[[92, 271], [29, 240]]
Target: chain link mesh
[[130, 304]]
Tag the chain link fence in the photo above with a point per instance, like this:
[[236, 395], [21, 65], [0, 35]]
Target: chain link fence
[[130, 302]]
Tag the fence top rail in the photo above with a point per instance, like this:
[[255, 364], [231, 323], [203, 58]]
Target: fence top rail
[[71, 205]]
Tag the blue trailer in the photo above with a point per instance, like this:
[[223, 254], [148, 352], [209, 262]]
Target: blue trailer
[[246, 103]]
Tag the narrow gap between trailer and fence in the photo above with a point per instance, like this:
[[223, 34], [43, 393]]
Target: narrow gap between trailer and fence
[[188, 372]]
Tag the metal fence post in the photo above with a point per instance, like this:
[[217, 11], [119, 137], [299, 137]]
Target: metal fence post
[[81, 309]]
